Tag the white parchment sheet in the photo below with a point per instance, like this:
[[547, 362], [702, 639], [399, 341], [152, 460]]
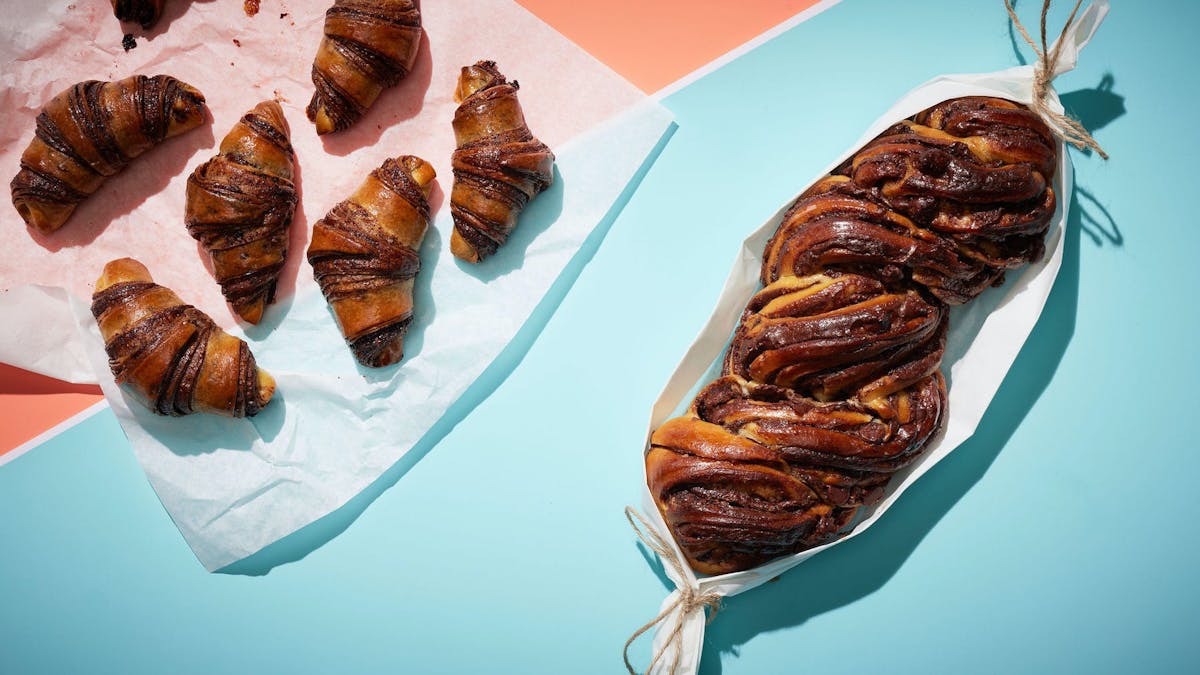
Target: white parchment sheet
[[235, 486], [985, 337]]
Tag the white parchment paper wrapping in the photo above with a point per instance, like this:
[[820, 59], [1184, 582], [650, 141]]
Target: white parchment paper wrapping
[[234, 486], [985, 337]]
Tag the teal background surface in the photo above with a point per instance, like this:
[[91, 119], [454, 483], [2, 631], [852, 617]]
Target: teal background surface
[[1061, 538]]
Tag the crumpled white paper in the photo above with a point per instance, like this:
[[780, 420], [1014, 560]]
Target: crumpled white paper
[[235, 486], [984, 339]]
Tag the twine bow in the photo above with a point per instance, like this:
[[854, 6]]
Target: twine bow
[[690, 598], [1067, 128]]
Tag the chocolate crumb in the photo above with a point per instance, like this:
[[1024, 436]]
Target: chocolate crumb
[[128, 42], [237, 42], [283, 16]]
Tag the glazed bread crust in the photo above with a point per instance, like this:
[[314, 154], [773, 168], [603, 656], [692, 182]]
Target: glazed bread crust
[[831, 383]]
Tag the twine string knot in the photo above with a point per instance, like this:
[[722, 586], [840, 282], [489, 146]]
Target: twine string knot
[[689, 599], [1066, 127]]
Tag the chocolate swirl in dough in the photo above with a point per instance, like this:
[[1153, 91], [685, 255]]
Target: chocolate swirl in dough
[[831, 383]]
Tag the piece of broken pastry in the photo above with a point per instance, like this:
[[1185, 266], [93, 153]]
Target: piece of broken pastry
[[169, 354], [498, 166]]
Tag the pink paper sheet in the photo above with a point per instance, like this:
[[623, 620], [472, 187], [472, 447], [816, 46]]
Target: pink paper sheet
[[233, 486], [236, 61]]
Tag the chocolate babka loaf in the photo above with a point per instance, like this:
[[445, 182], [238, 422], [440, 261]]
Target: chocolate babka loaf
[[832, 383]]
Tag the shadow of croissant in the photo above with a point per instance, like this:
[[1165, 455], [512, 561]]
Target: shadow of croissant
[[307, 539], [541, 213], [859, 567], [124, 193], [202, 434]]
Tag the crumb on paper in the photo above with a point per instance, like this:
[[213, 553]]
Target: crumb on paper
[[128, 42], [250, 7], [71, 7], [237, 42], [280, 97], [283, 16]]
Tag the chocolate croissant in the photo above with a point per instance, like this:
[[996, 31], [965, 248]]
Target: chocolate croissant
[[831, 383], [145, 12], [92, 131], [498, 167], [240, 206], [369, 45], [364, 255], [171, 355]]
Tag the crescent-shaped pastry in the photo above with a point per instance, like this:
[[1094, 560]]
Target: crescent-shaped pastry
[[369, 45], [92, 131], [499, 165], [240, 206], [170, 355], [364, 255]]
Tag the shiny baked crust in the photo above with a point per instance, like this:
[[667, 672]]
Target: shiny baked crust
[[756, 471], [831, 382], [364, 255], [240, 206], [170, 355], [368, 46], [92, 131], [499, 166]]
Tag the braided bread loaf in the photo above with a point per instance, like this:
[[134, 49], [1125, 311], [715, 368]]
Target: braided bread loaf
[[831, 383]]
